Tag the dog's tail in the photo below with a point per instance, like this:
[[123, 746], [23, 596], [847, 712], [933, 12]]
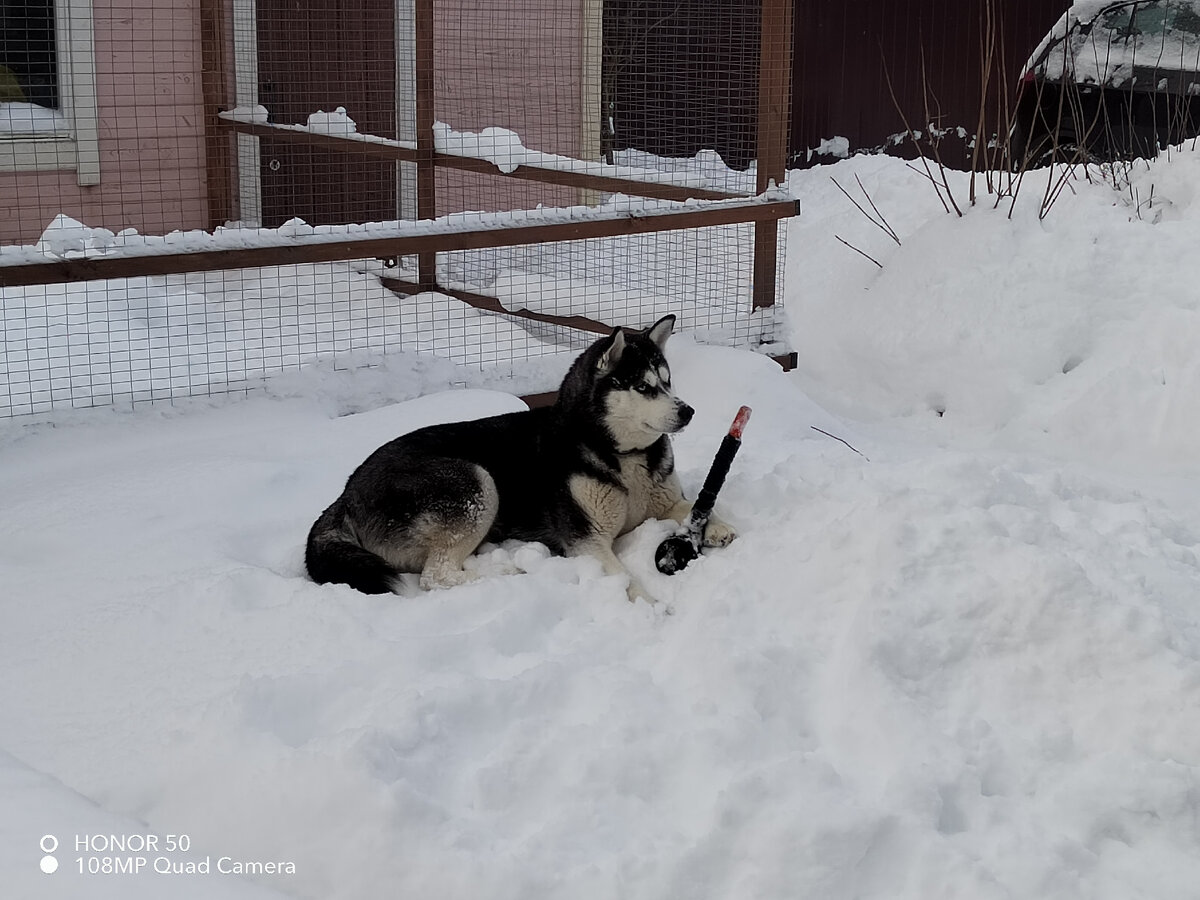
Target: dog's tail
[[333, 555]]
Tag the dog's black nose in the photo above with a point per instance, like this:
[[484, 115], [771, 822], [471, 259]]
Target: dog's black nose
[[685, 414]]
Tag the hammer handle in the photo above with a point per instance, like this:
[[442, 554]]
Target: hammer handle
[[702, 508]]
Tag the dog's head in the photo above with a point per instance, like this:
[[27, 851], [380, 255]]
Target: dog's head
[[633, 384]]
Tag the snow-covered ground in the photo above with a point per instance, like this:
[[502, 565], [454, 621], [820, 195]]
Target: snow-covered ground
[[961, 662]]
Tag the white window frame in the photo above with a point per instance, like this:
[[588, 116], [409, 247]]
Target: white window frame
[[245, 68], [78, 147]]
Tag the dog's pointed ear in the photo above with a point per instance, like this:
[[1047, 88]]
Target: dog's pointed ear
[[661, 330], [612, 354]]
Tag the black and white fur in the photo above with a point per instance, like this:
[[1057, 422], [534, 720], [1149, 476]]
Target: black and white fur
[[573, 476]]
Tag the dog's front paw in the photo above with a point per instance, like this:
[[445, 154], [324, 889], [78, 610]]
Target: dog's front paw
[[637, 589], [446, 578], [718, 534]]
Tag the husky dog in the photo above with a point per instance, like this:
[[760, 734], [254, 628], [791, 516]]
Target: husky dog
[[573, 476]]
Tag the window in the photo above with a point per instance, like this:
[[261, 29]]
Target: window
[[1149, 18], [1116, 22], [1155, 18], [1167, 42], [48, 116], [27, 71], [1186, 19]]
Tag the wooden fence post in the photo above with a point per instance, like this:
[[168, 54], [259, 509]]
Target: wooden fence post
[[774, 98], [426, 167], [218, 142]]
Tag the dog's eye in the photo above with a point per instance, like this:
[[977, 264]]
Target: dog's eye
[[643, 388]]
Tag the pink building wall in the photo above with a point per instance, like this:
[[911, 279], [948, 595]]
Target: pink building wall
[[516, 65], [148, 86]]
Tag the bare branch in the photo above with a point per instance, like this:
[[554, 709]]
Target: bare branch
[[890, 230], [908, 128], [881, 222], [842, 440], [859, 252]]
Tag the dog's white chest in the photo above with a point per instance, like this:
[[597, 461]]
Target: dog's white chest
[[641, 491]]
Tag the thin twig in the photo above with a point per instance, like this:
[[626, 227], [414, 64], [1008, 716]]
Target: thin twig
[[934, 145], [860, 253], [987, 49], [881, 222], [890, 230], [928, 175], [908, 128], [843, 440]]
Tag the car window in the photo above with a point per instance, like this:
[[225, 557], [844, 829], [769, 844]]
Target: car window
[[1166, 17], [1150, 19], [1166, 36], [1099, 49], [1115, 24], [1127, 35], [1130, 42], [1187, 19]]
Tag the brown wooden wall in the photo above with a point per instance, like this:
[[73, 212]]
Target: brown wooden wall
[[320, 56], [515, 64], [685, 71], [842, 50], [682, 75]]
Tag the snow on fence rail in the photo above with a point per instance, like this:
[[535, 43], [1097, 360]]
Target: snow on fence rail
[[109, 318], [492, 151], [126, 255]]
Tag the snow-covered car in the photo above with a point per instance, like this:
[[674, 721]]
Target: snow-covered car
[[1112, 80]]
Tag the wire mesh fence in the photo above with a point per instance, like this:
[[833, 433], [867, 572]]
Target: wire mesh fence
[[196, 195]]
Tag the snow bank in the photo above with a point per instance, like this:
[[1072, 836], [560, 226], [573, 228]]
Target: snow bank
[[37, 806], [1072, 334], [936, 672], [960, 662]]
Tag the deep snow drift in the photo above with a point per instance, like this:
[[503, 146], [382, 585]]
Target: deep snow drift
[[961, 662]]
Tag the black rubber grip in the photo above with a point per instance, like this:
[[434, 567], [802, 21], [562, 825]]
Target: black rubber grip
[[703, 506]]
